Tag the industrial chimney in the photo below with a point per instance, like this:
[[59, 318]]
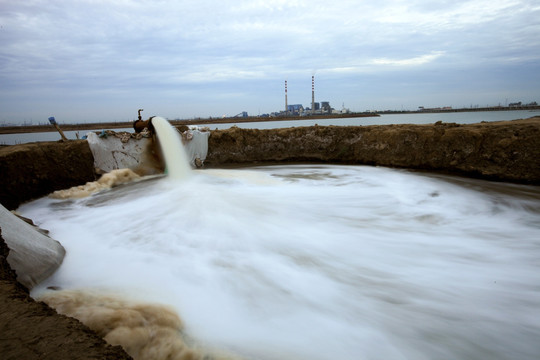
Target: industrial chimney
[[312, 94], [286, 105]]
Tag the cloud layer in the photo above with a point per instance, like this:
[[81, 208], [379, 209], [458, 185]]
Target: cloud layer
[[99, 60]]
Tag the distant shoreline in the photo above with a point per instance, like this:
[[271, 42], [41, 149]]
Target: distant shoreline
[[196, 121], [232, 120]]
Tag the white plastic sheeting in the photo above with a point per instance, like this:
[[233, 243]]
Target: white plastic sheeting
[[196, 146], [111, 153], [33, 255]]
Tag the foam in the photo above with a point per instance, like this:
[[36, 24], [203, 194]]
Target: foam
[[316, 262], [145, 331], [106, 181]]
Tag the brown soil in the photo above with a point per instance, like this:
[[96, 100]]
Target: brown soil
[[506, 150], [30, 171]]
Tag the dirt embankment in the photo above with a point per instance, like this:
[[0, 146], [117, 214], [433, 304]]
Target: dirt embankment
[[507, 151], [30, 171]]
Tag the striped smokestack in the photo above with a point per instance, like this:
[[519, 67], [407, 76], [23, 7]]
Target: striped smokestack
[[286, 105], [313, 94]]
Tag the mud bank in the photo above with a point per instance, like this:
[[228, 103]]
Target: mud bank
[[30, 171], [506, 151]]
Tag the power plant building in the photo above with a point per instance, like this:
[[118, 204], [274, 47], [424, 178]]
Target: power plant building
[[316, 108], [325, 107], [295, 109]]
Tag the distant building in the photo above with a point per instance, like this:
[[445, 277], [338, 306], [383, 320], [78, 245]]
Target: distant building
[[444, 108], [325, 107], [243, 114], [295, 109]]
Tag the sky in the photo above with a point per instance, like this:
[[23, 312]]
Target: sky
[[101, 60]]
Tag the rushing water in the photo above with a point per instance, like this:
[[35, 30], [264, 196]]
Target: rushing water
[[317, 261], [171, 148]]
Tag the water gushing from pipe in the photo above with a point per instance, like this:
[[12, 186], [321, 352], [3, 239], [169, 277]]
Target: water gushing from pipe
[[176, 162]]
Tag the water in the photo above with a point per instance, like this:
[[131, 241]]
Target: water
[[23, 138], [385, 119], [177, 164], [316, 261]]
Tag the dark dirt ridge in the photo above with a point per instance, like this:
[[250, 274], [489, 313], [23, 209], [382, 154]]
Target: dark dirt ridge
[[504, 151], [30, 171]]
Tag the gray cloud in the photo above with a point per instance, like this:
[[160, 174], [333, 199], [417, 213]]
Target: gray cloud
[[101, 59]]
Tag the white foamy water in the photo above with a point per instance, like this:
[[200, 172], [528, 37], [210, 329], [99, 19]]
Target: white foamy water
[[317, 262], [171, 149]]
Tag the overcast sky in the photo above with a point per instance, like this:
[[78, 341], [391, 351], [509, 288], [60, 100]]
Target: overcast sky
[[101, 60]]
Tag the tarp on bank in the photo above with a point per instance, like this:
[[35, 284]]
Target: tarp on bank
[[33, 255], [125, 152]]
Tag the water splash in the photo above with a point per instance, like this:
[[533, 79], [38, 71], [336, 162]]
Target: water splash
[[316, 262], [176, 162]]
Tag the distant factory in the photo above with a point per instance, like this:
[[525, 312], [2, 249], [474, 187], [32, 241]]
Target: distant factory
[[316, 108]]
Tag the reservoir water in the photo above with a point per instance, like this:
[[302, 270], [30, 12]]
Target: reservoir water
[[385, 119], [316, 261]]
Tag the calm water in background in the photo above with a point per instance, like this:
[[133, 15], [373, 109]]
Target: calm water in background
[[428, 118], [385, 119]]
